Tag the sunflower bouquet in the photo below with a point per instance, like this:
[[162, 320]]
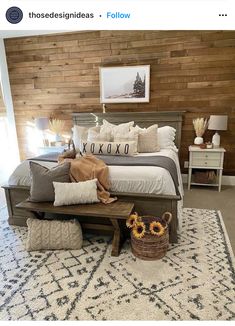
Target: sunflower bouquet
[[139, 228]]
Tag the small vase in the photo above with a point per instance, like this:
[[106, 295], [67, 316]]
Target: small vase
[[57, 137], [198, 141]]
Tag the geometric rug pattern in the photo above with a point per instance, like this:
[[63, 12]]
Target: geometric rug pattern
[[194, 281]]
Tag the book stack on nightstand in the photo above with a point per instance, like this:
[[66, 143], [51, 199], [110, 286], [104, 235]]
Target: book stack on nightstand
[[206, 160]]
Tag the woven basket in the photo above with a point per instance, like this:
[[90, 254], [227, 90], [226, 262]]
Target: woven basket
[[152, 247]]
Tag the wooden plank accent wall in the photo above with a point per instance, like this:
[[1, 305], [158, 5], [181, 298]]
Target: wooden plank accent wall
[[55, 75]]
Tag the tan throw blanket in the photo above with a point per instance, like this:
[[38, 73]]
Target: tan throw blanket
[[89, 167]]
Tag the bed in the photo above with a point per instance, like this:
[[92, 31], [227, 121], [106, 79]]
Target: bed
[[150, 189]]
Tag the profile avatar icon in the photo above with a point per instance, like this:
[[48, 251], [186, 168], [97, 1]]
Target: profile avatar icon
[[14, 15]]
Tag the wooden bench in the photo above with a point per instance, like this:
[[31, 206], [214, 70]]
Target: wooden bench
[[114, 212]]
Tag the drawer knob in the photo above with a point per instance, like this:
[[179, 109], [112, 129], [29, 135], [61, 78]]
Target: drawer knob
[[206, 163], [206, 155]]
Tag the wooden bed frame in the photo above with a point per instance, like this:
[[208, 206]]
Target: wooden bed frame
[[144, 203]]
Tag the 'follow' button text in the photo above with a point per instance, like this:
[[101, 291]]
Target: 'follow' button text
[[118, 15]]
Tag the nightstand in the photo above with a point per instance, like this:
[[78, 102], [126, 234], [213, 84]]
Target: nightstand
[[206, 159], [51, 149]]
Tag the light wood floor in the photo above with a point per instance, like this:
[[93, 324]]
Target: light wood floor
[[203, 197]]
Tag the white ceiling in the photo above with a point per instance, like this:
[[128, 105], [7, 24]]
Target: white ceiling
[[19, 33]]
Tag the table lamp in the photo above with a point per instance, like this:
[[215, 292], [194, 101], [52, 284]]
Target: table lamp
[[217, 122], [42, 123]]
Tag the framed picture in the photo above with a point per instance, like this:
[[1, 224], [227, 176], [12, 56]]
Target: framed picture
[[124, 84]]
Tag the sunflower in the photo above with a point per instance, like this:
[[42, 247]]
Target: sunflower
[[132, 219], [139, 230], [156, 228]]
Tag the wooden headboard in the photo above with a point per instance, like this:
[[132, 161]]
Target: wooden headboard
[[142, 119]]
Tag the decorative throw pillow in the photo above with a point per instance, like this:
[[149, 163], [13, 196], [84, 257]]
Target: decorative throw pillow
[[42, 180], [128, 137], [75, 193], [81, 133], [48, 235], [166, 137], [97, 135], [122, 128], [147, 140], [110, 148]]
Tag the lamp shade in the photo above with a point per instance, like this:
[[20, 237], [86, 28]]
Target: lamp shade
[[42, 123], [218, 122]]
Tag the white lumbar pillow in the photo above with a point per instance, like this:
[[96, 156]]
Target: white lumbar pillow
[[75, 193], [127, 148]]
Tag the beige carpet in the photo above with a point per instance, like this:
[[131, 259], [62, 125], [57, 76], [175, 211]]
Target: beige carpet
[[210, 198], [194, 281]]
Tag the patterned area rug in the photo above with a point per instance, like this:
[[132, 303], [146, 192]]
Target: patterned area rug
[[195, 281]]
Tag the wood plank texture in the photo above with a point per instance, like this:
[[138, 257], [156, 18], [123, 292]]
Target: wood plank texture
[[55, 75], [117, 210]]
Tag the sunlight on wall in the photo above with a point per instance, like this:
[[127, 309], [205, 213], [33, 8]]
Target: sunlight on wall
[[7, 157], [36, 138]]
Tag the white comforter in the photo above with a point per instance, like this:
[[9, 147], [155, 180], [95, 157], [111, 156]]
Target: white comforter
[[136, 179]]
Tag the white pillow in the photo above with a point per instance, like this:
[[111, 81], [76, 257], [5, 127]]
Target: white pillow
[[97, 135], [81, 133], [148, 140], [166, 137], [110, 148], [128, 137], [75, 193], [122, 128]]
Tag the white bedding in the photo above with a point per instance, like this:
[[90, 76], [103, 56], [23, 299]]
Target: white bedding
[[136, 179]]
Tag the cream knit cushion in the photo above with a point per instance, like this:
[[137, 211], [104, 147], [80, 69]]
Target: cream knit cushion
[[75, 193], [147, 140], [43, 234]]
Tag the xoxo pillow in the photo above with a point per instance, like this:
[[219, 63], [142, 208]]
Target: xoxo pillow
[[110, 148]]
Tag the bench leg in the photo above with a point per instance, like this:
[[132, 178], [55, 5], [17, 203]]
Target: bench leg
[[38, 215], [117, 238], [173, 229]]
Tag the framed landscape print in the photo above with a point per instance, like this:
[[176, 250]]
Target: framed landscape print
[[124, 84]]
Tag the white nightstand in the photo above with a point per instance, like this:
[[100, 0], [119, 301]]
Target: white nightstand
[[208, 159], [51, 149]]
